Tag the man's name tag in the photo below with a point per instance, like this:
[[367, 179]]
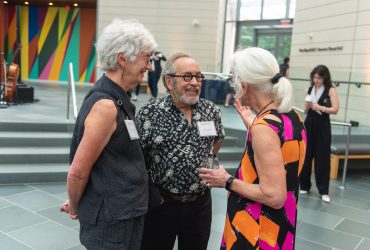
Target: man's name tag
[[132, 129], [207, 128]]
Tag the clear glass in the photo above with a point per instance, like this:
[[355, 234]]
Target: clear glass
[[274, 9], [267, 42], [250, 9], [230, 29], [231, 11], [283, 50], [246, 36], [292, 8]]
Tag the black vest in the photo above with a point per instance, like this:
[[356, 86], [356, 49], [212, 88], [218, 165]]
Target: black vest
[[118, 178], [324, 100]]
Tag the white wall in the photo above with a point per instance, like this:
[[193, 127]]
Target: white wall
[[171, 22], [332, 23]]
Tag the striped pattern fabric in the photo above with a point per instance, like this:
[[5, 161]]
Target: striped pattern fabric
[[252, 225]]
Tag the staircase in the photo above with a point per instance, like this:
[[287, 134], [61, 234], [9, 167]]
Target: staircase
[[39, 152], [34, 152], [232, 149]]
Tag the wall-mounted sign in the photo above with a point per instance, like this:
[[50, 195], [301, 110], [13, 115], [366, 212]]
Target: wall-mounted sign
[[320, 49]]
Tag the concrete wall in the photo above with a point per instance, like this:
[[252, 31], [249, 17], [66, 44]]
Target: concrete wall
[[335, 33], [172, 23]]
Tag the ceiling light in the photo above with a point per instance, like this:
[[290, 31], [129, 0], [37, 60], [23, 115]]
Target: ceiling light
[[75, 4], [26, 3], [5, 2], [50, 3]]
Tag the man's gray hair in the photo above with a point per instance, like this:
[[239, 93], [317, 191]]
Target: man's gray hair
[[169, 67], [129, 37]]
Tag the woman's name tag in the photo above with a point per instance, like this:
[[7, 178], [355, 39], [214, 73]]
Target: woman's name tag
[[131, 128], [207, 128]]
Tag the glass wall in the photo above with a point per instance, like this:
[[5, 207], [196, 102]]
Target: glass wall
[[263, 23]]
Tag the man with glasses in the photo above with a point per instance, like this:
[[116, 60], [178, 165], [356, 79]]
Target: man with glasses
[[180, 133]]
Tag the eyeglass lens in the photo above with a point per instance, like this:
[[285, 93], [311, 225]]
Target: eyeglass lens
[[188, 76]]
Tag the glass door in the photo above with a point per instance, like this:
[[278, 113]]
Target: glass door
[[277, 41]]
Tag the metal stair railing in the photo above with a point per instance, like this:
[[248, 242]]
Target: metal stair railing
[[71, 90]]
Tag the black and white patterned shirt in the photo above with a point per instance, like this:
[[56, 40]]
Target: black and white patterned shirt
[[174, 147]]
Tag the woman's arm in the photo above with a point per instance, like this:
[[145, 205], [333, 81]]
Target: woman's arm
[[98, 128], [271, 189], [334, 103]]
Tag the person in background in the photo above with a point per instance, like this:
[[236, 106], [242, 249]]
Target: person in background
[[321, 101], [179, 134], [284, 67], [136, 94], [263, 194], [107, 181], [230, 90], [155, 73]]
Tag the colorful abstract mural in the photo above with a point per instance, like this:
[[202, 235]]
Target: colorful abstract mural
[[51, 38]]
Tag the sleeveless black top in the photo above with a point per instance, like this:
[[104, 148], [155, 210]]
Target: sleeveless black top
[[118, 178]]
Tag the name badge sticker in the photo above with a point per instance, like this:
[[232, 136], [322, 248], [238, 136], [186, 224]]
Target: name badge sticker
[[207, 128], [132, 130]]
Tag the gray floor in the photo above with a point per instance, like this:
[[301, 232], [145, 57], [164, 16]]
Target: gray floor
[[29, 216]]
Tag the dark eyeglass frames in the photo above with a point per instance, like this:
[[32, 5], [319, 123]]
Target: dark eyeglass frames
[[189, 76]]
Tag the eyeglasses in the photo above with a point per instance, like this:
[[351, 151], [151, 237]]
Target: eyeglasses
[[189, 76]]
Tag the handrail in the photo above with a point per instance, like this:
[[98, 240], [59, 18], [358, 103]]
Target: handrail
[[335, 82], [220, 75], [71, 87], [349, 131]]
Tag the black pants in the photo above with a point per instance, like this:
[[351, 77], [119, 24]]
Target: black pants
[[318, 149], [153, 78], [190, 222]]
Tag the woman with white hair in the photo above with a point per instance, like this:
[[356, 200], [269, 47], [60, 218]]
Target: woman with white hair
[[107, 182], [263, 195]]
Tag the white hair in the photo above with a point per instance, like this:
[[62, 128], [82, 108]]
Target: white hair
[[129, 37], [257, 67]]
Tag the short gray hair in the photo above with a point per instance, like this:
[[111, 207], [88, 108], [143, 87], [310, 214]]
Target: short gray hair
[[257, 67], [129, 37], [169, 67]]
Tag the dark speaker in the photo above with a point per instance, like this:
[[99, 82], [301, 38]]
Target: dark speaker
[[24, 94]]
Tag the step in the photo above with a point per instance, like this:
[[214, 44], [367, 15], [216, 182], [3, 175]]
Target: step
[[230, 166], [230, 153], [35, 139], [27, 173], [37, 126], [23, 155], [230, 141], [239, 134]]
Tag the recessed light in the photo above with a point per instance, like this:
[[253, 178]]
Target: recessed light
[[75, 4], [50, 3]]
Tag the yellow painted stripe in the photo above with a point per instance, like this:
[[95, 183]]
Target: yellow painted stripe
[[59, 56], [24, 42], [50, 16], [63, 13], [82, 78]]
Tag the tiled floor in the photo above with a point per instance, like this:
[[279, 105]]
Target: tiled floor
[[29, 216]]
